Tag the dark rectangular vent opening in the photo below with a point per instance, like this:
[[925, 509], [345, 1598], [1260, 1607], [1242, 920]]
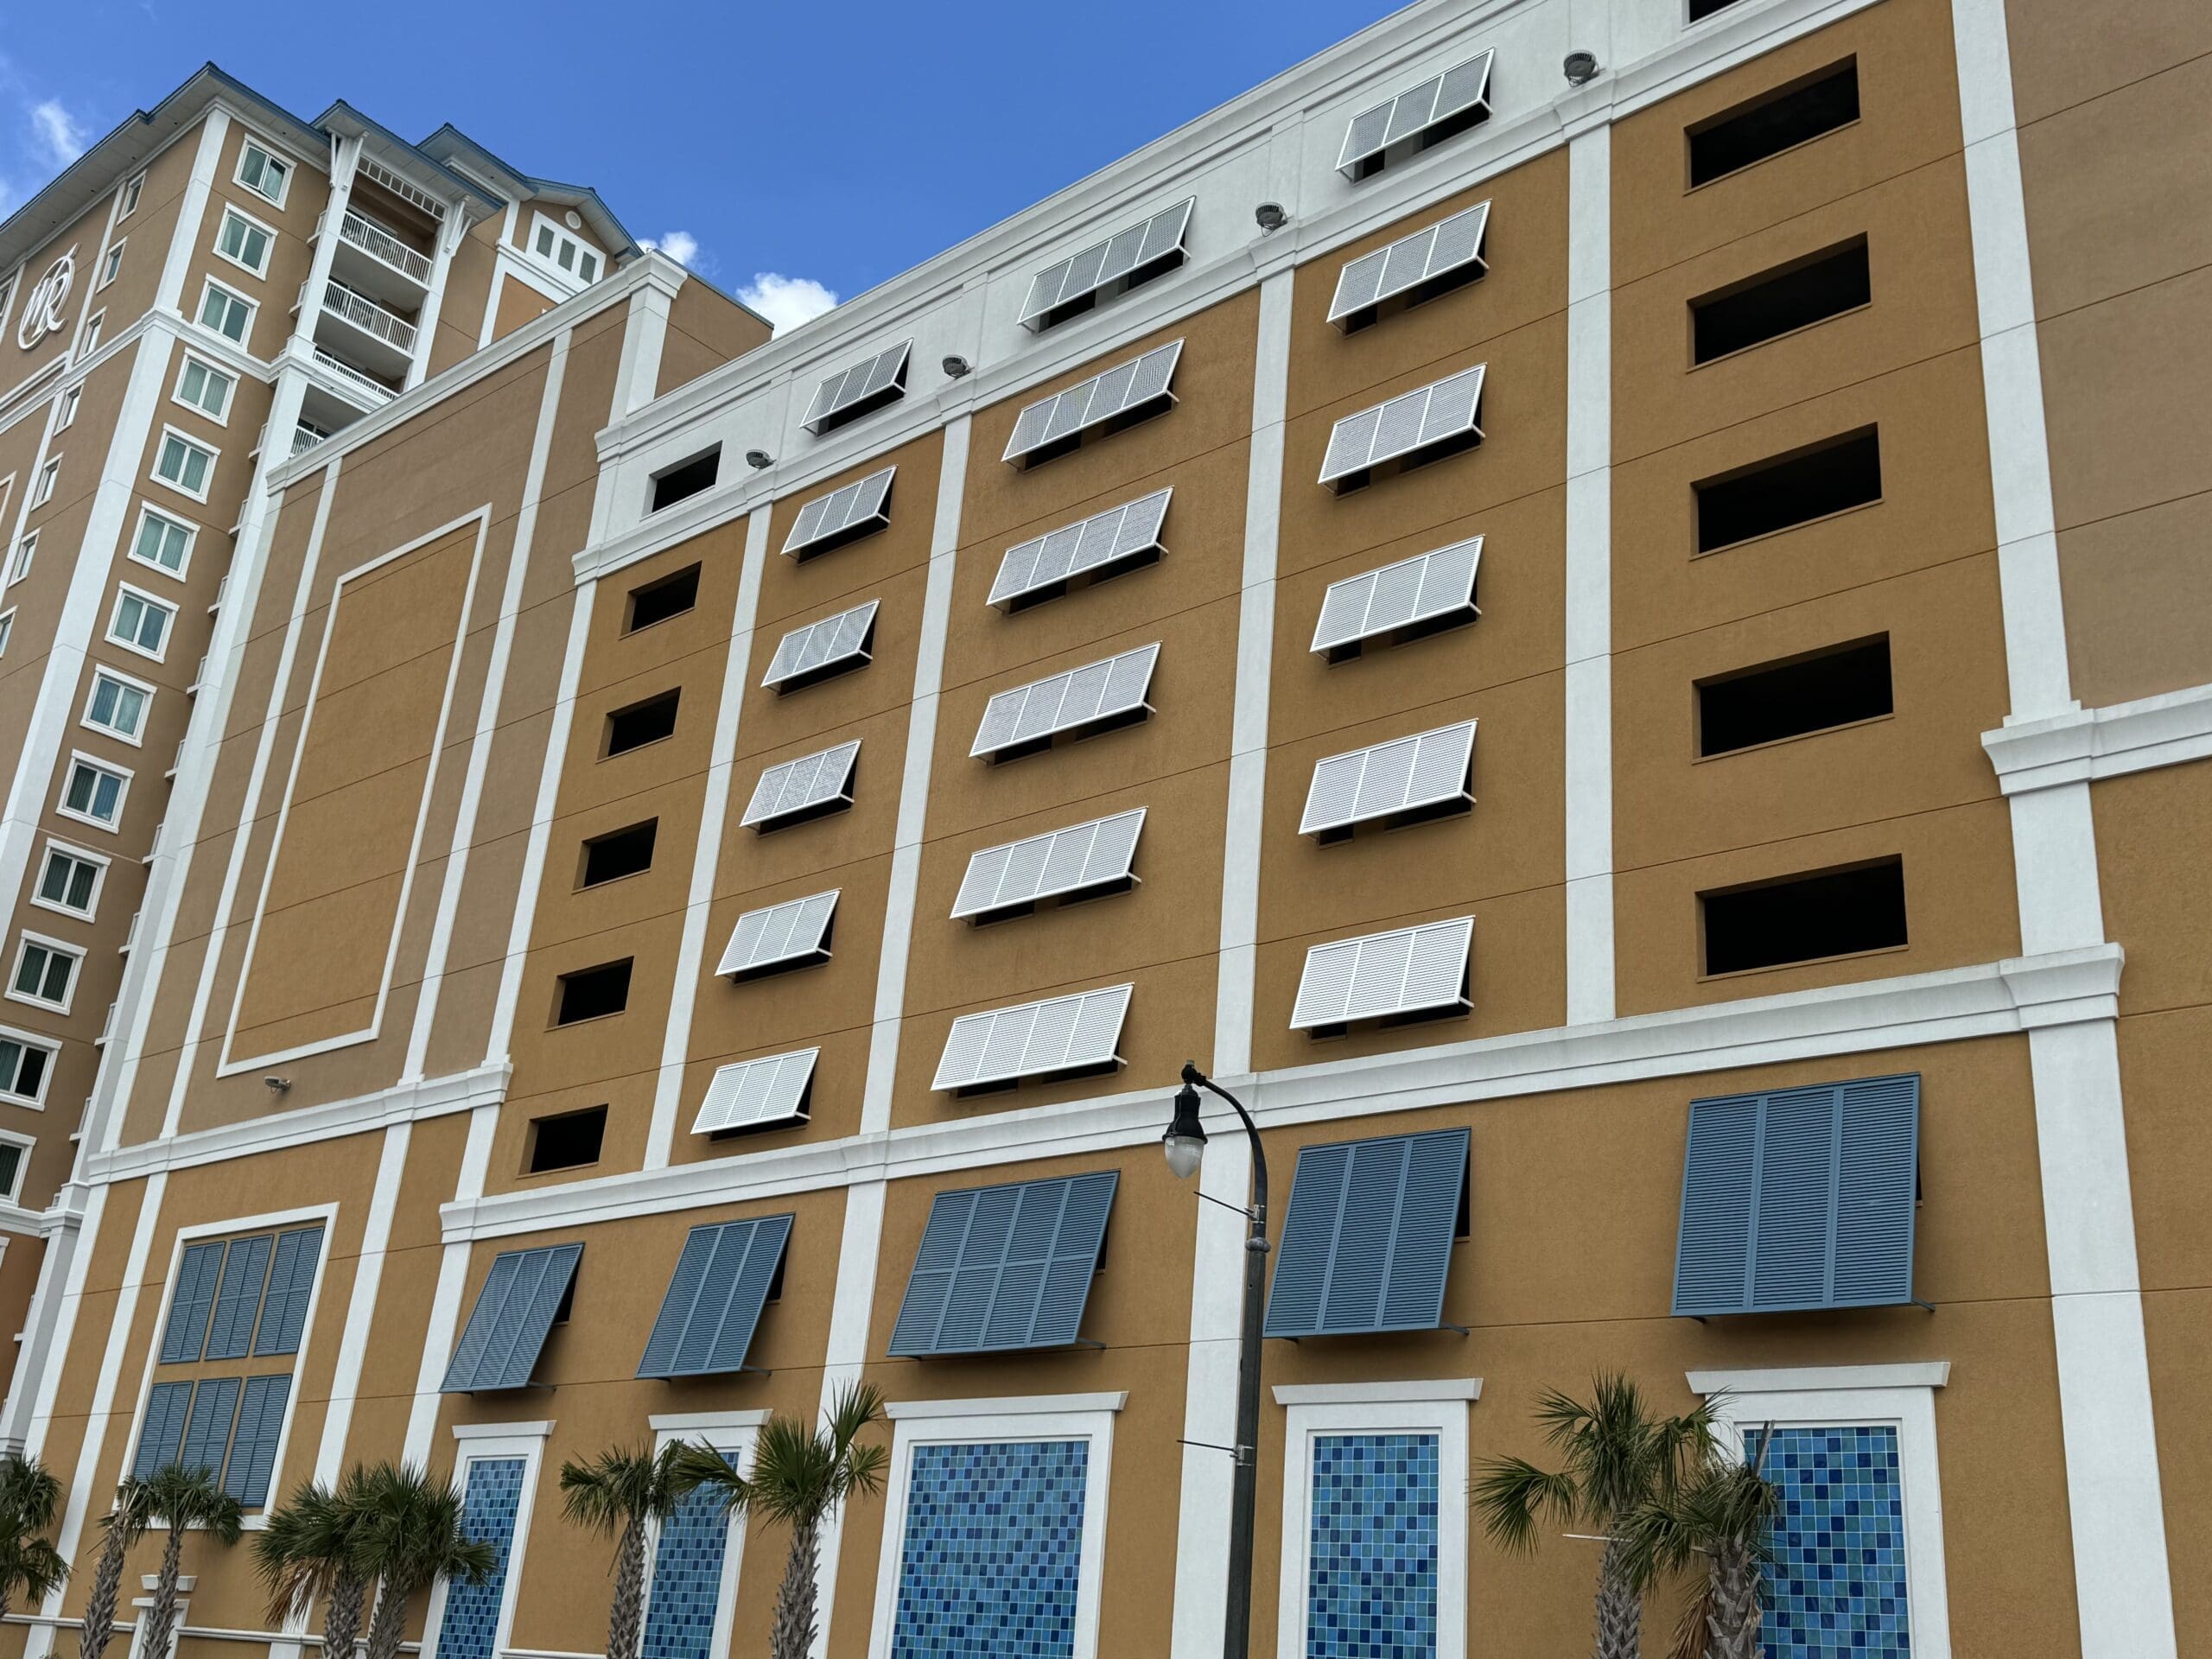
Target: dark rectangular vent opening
[[1835, 687], [658, 600], [1795, 488], [1775, 121], [623, 852], [1805, 918], [567, 1142], [1779, 301], [641, 723], [686, 478], [1701, 10], [590, 992]]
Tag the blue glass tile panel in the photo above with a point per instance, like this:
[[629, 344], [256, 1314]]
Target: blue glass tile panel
[[1835, 1589], [1371, 1548], [687, 1582], [987, 1567], [471, 1625]]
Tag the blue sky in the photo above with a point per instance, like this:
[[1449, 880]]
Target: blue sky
[[830, 144]]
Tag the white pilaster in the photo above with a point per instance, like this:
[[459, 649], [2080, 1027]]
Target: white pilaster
[[843, 1361], [1209, 1399], [191, 210], [345, 154]]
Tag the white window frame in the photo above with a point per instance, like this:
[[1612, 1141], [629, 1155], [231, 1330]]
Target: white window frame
[[477, 1442], [252, 141], [231, 210], [82, 855], [62, 807], [972, 1422], [251, 307], [1902, 1397], [47, 481], [733, 1433], [221, 416], [19, 562], [133, 187], [90, 340], [24, 940], [68, 416], [7, 628], [138, 531], [137, 739], [46, 1046], [1441, 1408], [550, 262], [129, 644], [154, 468], [13, 1193], [111, 264]]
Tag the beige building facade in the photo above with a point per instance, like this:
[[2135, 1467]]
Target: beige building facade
[[1619, 654]]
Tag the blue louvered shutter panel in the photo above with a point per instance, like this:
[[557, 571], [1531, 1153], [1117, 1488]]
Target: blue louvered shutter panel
[[229, 1333], [1800, 1199], [163, 1432], [1367, 1243], [513, 1311], [253, 1448], [707, 1320], [194, 1299], [1004, 1267], [291, 1282], [207, 1432]]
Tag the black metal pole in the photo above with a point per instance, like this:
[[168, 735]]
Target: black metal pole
[[1236, 1631]]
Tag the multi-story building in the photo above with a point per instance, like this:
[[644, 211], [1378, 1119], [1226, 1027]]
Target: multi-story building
[[1591, 606]]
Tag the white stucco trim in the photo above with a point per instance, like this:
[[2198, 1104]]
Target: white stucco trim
[[445, 1300], [361, 1301], [489, 1442], [844, 1359], [733, 1433], [1378, 1393], [1206, 1491], [2084, 745]]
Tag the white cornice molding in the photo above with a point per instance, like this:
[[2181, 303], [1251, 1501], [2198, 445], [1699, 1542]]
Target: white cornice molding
[[2086, 744], [1029, 1405], [1823, 1379], [1379, 1393]]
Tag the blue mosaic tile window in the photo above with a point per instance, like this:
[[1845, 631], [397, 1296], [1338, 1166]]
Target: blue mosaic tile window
[[471, 1625], [994, 1537], [1371, 1550], [687, 1582], [1835, 1589]]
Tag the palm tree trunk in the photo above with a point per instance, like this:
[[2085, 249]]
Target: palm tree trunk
[[1734, 1622], [342, 1620], [99, 1607], [624, 1621], [1620, 1609], [389, 1626], [161, 1618], [791, 1636]]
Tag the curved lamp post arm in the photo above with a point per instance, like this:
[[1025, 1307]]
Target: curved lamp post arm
[[1197, 1079]]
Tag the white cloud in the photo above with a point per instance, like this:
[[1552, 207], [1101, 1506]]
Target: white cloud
[[786, 302], [679, 245], [58, 134]]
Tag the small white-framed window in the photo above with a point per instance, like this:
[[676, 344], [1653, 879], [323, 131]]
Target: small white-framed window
[[555, 247], [112, 266], [186, 466], [69, 880], [26, 1062], [14, 1158], [245, 241], [694, 1554], [131, 191], [93, 792], [66, 416], [226, 311], [261, 170], [91, 342], [140, 622], [45, 974], [117, 705], [1859, 1545], [7, 628], [1375, 1493], [204, 389], [163, 542], [49, 478], [26, 551], [994, 1501]]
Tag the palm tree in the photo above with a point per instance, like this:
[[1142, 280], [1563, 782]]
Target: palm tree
[[800, 1475], [1725, 1511], [30, 1566], [411, 1537], [619, 1495], [306, 1554], [124, 1525], [1616, 1457], [181, 1499]]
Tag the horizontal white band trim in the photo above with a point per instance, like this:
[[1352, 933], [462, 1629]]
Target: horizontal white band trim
[[1031, 1405], [1806, 1379], [681, 1422], [2083, 744], [502, 1431], [1378, 1394]]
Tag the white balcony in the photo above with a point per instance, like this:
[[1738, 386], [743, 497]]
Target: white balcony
[[359, 329], [373, 260], [362, 232]]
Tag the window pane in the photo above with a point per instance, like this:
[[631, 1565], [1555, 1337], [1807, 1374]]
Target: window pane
[[546, 238], [58, 968], [106, 792], [29, 970], [81, 878], [11, 1165]]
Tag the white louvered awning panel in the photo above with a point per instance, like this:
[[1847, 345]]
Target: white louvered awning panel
[[754, 1093], [794, 785], [1434, 251], [857, 385], [782, 932], [1120, 389], [859, 504], [1463, 87], [1062, 702], [1426, 769], [1419, 589], [1066, 860], [822, 645], [1062, 1033], [1406, 424], [1407, 971], [1105, 263], [1104, 538]]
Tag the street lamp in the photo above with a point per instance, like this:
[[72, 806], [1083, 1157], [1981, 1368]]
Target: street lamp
[[1185, 1144]]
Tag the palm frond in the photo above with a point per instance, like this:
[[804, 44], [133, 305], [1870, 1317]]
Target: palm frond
[[1509, 1494]]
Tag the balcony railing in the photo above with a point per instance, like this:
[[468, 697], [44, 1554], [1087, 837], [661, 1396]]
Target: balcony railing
[[368, 316], [382, 246], [305, 436], [367, 384]]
